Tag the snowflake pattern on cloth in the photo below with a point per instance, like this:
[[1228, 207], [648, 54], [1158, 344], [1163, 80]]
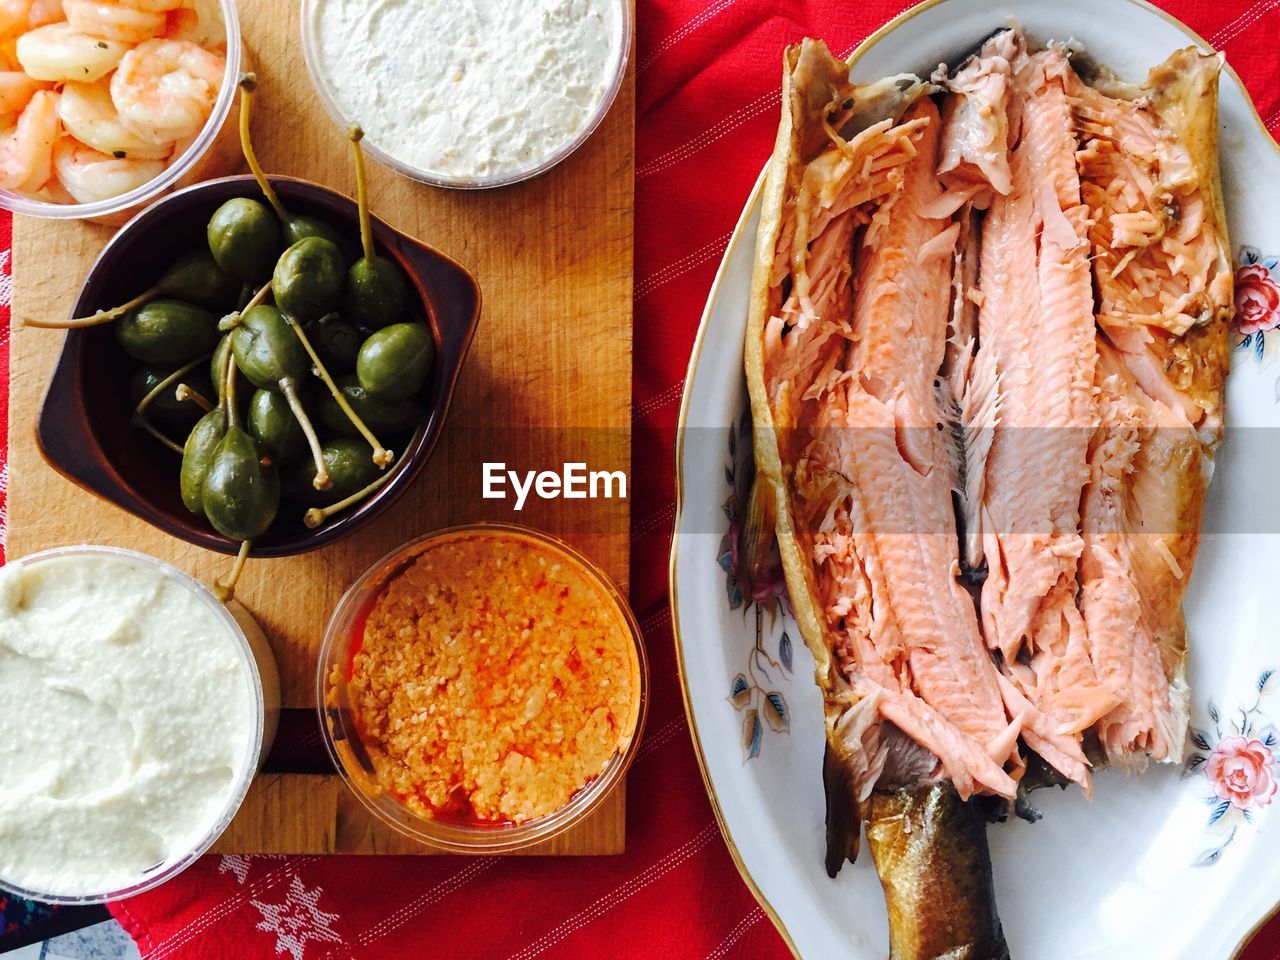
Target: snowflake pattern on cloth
[[298, 919], [6, 282], [236, 864]]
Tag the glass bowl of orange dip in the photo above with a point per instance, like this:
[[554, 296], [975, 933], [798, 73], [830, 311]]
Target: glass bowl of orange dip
[[482, 689]]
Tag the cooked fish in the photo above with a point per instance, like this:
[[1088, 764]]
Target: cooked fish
[[850, 312], [1162, 269], [986, 342], [1036, 330]]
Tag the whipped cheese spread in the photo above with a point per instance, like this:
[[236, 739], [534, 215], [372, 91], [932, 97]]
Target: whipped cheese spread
[[467, 88], [128, 722]]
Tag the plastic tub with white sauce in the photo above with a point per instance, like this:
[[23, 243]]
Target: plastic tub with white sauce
[[468, 95], [137, 710]]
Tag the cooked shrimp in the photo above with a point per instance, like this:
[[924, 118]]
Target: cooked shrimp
[[26, 151], [52, 192], [16, 91], [60, 52], [199, 21], [45, 11], [88, 114], [164, 89], [114, 20], [89, 175], [19, 16]]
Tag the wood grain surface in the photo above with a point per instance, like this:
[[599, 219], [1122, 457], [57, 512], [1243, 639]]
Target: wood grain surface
[[548, 381]]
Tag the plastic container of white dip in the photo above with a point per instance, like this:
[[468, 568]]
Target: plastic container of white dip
[[137, 710], [468, 95]]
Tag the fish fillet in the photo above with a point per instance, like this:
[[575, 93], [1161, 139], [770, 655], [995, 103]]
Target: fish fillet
[[1036, 328]]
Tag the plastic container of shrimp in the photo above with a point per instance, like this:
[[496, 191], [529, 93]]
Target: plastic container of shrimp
[[212, 152]]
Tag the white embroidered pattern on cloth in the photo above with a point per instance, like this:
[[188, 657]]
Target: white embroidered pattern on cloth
[[236, 864], [297, 920], [6, 281]]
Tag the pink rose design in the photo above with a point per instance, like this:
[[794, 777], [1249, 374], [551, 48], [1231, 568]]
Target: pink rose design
[[1242, 772], [1257, 300]]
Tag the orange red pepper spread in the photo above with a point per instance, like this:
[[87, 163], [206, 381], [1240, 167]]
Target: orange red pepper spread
[[494, 679]]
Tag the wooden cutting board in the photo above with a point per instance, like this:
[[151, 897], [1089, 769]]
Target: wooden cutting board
[[548, 381]]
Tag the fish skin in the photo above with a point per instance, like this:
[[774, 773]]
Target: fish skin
[[1142, 512], [843, 823], [1148, 218], [975, 147], [930, 849]]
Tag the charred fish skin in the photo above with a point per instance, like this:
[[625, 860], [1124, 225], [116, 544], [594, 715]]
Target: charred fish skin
[[930, 849]]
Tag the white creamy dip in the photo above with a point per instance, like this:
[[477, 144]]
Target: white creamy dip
[[128, 721], [467, 88]]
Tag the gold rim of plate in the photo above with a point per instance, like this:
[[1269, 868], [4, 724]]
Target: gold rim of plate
[[738, 233]]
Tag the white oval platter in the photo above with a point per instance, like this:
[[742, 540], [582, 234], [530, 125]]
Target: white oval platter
[[1153, 866]]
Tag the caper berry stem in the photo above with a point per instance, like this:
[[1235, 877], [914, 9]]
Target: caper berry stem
[[290, 390], [140, 411], [381, 455], [149, 427], [232, 319], [184, 392], [224, 588], [166, 383], [248, 84], [229, 379], [318, 515], [94, 319], [362, 193]]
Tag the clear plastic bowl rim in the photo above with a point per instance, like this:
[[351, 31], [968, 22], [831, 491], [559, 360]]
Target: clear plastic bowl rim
[[443, 835]]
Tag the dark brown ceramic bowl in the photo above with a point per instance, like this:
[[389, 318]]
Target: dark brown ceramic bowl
[[84, 430]]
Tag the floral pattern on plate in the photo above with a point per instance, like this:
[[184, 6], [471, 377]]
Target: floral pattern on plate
[[1257, 303], [1238, 762], [754, 691]]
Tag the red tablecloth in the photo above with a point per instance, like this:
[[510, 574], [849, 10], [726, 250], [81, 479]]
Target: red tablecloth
[[708, 76]]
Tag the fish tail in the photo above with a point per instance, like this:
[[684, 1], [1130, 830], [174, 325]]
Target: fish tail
[[930, 850], [844, 825]]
